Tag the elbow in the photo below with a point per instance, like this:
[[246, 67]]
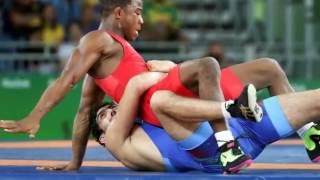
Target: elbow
[[135, 85], [67, 82]]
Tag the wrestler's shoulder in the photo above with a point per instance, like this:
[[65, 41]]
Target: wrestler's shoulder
[[96, 37]]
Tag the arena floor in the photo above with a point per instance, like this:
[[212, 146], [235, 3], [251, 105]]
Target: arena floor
[[284, 160]]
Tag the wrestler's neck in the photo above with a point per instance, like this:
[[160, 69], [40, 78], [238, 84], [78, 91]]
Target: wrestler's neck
[[110, 24]]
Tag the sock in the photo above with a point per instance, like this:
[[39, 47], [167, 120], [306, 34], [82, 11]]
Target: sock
[[223, 137], [224, 107], [302, 131]]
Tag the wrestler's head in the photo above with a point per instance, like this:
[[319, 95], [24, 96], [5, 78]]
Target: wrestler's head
[[100, 119], [126, 14]]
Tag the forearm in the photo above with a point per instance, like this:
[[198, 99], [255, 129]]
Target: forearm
[[50, 98], [91, 97], [81, 131], [120, 128], [127, 109], [161, 65]]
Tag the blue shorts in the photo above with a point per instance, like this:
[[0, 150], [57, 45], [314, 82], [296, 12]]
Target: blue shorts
[[253, 138]]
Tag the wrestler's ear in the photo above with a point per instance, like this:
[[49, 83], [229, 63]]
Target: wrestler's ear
[[102, 139], [117, 12]]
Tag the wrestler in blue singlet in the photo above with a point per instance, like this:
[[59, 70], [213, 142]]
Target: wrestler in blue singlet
[[200, 150]]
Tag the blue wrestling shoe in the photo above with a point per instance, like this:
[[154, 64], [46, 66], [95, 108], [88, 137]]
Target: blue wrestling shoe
[[311, 142], [233, 158], [246, 105]]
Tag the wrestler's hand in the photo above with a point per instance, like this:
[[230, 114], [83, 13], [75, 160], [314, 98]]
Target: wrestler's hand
[[62, 167], [26, 125], [160, 65]]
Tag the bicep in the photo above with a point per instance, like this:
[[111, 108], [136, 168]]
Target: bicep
[[84, 57], [78, 65]]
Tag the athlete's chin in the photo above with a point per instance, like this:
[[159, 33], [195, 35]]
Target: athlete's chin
[[132, 36], [136, 34]]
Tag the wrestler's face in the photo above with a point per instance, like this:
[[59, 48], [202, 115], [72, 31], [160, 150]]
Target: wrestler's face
[[131, 21], [105, 115]]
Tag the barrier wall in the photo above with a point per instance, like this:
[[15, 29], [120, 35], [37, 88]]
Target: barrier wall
[[19, 93]]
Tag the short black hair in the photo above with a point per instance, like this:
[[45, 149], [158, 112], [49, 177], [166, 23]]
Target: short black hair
[[95, 129], [108, 5]]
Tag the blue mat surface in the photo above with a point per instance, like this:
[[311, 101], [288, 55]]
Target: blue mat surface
[[276, 154]]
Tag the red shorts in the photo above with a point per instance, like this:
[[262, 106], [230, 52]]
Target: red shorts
[[171, 82], [230, 84]]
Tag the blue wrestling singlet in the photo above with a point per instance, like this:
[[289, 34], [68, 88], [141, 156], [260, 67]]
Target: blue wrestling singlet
[[253, 138]]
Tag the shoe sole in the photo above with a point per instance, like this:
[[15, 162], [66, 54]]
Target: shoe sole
[[237, 168], [253, 106]]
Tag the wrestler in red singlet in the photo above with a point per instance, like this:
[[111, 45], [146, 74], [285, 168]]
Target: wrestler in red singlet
[[131, 64]]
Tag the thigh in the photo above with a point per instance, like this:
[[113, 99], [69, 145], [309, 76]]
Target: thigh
[[257, 72], [174, 157]]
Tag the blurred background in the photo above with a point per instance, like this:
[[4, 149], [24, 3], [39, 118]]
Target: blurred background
[[37, 36]]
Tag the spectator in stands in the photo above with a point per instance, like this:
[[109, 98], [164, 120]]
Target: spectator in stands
[[52, 31], [74, 34], [89, 18], [67, 9], [93, 3], [259, 14], [216, 50], [21, 17], [161, 21], [1, 22]]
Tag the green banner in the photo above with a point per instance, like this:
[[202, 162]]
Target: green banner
[[18, 95]]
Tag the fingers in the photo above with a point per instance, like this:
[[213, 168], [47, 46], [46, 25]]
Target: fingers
[[32, 133], [8, 124], [53, 168], [48, 168], [12, 130], [31, 136]]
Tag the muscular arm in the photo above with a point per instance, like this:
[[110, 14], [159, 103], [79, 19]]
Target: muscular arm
[[81, 60], [91, 97], [124, 119], [160, 65]]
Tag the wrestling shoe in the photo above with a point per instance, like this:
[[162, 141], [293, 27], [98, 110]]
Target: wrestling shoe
[[246, 105], [311, 142], [233, 158]]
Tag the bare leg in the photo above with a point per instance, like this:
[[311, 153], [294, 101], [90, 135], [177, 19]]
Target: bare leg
[[175, 112], [301, 108], [267, 73], [203, 77], [264, 73]]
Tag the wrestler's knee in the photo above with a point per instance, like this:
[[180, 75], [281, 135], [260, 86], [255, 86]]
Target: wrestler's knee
[[159, 100], [273, 68], [209, 64]]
